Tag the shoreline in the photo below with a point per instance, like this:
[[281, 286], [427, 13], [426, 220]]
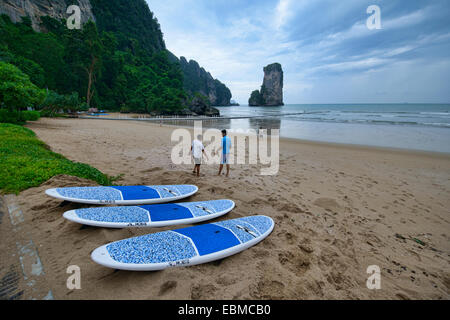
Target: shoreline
[[154, 121], [355, 147], [337, 210]]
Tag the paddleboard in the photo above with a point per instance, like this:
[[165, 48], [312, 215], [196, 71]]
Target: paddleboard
[[154, 215], [184, 247], [123, 195]]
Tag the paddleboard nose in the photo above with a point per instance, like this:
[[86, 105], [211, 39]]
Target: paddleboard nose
[[51, 192], [70, 215], [100, 255]]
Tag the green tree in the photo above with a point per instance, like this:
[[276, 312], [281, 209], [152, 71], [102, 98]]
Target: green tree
[[55, 102], [32, 69], [83, 54], [122, 65], [91, 57], [39, 55], [17, 92]]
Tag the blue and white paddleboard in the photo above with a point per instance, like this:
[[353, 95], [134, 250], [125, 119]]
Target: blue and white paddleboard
[[123, 195], [154, 215], [184, 247]]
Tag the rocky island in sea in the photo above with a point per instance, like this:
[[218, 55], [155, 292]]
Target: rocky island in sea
[[271, 93]]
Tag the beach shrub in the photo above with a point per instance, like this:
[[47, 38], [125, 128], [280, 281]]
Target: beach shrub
[[13, 117], [125, 110], [27, 162], [18, 117], [54, 103], [31, 115]]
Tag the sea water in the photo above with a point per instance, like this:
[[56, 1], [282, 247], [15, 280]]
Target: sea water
[[408, 126]]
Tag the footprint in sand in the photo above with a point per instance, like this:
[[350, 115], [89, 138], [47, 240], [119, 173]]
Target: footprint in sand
[[202, 291], [267, 289], [166, 287], [297, 263], [327, 204], [226, 281]]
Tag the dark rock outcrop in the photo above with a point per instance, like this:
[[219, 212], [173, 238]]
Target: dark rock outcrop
[[199, 105], [271, 93], [256, 99], [198, 80]]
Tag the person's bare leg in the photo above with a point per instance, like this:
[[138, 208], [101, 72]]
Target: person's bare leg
[[220, 169], [228, 170], [198, 170]]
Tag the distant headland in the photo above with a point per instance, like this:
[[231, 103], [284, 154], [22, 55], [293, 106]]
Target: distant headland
[[271, 93]]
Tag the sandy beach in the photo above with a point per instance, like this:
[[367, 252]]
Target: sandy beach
[[338, 209]]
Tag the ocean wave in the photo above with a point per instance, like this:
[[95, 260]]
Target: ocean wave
[[379, 122], [376, 112], [435, 113], [385, 113], [447, 125]]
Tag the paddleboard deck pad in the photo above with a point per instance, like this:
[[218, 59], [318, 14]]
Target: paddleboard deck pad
[[123, 195], [155, 215], [184, 247]]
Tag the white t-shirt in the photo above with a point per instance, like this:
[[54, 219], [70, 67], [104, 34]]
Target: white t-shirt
[[197, 148]]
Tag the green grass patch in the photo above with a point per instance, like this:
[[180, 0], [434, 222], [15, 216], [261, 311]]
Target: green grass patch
[[27, 162]]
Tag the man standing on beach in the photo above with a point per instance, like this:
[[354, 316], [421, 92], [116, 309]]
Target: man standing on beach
[[198, 150], [226, 146]]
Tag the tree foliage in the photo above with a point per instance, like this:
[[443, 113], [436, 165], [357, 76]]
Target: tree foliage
[[17, 92], [109, 65], [55, 102], [198, 80]]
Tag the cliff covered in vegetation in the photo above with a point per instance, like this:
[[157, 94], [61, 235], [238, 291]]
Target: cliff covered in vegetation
[[117, 61], [198, 80]]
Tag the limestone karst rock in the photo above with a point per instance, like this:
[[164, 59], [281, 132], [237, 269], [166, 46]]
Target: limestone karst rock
[[271, 93]]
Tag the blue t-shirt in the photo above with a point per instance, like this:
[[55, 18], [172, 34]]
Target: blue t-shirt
[[226, 145]]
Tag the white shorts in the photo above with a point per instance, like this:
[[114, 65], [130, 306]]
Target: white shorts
[[197, 160], [225, 159]]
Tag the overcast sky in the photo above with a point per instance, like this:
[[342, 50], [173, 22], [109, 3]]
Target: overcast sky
[[327, 52]]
